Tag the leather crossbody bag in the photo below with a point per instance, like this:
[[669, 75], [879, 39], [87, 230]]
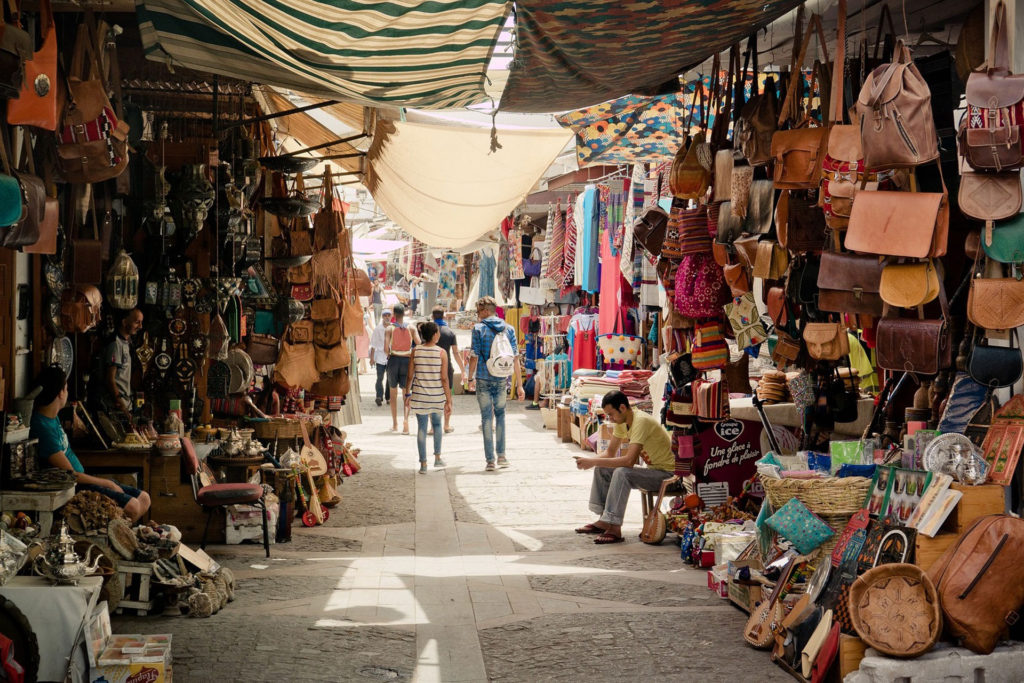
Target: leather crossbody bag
[[850, 283], [995, 366], [909, 285], [915, 345], [826, 341]]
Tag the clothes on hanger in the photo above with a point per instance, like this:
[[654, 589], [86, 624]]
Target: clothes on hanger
[[486, 267], [590, 240], [611, 287], [582, 337]]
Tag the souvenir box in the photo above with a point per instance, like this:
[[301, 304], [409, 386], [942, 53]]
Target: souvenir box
[[126, 658], [895, 493]]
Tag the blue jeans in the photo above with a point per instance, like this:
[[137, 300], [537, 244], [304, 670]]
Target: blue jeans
[[421, 434], [383, 391], [491, 395]]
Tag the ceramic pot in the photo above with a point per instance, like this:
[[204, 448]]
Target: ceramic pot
[[168, 444]]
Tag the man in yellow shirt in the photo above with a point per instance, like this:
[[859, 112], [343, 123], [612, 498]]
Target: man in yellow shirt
[[615, 475]]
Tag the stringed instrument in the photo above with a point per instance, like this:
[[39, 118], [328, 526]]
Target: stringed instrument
[[311, 455], [655, 524], [766, 618]]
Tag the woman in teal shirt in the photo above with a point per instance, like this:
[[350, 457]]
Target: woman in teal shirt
[[55, 451]]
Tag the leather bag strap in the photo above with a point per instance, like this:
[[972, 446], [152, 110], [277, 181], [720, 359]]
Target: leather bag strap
[[884, 18], [998, 47], [839, 68], [797, 75]]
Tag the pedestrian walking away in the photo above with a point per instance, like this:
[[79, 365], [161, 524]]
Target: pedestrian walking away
[[616, 475], [399, 341], [428, 391], [379, 356], [448, 343], [495, 358]]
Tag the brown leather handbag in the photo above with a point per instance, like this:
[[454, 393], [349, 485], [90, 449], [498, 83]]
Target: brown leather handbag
[[327, 223], [826, 341], [263, 349], [327, 333], [92, 140], [649, 230], [990, 134], [849, 283], [296, 366], [690, 175], [905, 224], [746, 250], [914, 345], [332, 358], [778, 308], [758, 119], [759, 208], [37, 103], [894, 112], [738, 279], [771, 261], [300, 332], [324, 309], [80, 308], [799, 222], [996, 303], [989, 196], [15, 50], [86, 252]]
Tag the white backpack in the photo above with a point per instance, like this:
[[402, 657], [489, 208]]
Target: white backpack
[[501, 362]]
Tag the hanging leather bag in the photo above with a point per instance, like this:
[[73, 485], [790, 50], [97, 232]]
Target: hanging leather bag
[[36, 105], [759, 208], [771, 261], [826, 341], [909, 285], [904, 224], [263, 349], [995, 303], [799, 222], [649, 230], [848, 283], [894, 113], [915, 345], [86, 252], [798, 152], [758, 119], [738, 279], [989, 196], [28, 203], [91, 140], [15, 50], [80, 308], [995, 366], [690, 174], [1005, 243], [328, 223], [990, 134]]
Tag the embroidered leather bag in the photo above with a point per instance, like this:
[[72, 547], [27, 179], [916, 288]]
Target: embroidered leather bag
[[989, 196], [996, 303], [915, 345], [990, 136]]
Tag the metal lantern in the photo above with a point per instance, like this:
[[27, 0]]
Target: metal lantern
[[123, 282]]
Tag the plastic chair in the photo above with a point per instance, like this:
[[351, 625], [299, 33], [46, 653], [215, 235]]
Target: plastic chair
[[214, 496]]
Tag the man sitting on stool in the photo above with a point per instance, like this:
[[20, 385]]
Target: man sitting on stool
[[54, 451], [615, 475]]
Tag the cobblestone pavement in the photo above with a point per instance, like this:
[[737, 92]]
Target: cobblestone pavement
[[462, 575]]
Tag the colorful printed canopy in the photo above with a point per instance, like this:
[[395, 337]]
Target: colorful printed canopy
[[399, 52], [572, 54]]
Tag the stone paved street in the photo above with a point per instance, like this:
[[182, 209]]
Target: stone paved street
[[462, 575]]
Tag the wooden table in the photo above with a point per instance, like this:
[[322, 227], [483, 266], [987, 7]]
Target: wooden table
[[118, 460], [43, 502]]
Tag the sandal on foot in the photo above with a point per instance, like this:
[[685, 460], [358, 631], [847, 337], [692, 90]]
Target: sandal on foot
[[607, 538], [589, 529]]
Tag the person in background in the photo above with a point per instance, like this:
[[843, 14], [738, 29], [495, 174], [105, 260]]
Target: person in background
[[53, 449], [399, 339], [448, 342], [615, 475], [491, 391], [415, 293], [117, 365], [429, 392], [380, 357], [377, 301]]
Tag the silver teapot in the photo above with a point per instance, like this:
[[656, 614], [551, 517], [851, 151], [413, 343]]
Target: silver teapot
[[60, 563], [233, 445]]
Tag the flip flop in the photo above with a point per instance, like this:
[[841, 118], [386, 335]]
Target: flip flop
[[589, 529], [606, 538]]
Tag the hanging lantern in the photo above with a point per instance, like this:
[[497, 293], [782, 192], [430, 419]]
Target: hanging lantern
[[123, 282]]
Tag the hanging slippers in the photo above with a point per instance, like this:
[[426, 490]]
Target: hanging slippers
[[606, 538]]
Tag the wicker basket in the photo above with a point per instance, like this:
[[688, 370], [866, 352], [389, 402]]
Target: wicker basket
[[277, 428], [821, 496]]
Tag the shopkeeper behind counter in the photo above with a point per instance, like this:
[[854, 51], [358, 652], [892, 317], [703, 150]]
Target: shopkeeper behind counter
[[55, 451]]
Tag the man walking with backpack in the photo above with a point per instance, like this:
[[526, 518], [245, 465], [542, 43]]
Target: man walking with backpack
[[399, 339], [495, 359]]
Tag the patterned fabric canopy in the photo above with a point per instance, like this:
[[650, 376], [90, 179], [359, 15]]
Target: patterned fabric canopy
[[572, 54], [400, 53]]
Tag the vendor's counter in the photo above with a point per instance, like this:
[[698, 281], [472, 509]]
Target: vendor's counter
[[786, 415], [166, 481]]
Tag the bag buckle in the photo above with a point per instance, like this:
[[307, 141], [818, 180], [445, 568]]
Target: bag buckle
[[858, 292], [78, 129]]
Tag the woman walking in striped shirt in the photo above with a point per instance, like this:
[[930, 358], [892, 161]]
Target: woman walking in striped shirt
[[430, 396]]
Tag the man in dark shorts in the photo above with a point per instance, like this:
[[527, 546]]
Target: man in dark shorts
[[54, 451], [448, 343], [399, 339]]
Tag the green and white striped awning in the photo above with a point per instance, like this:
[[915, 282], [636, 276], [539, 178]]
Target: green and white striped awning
[[411, 53]]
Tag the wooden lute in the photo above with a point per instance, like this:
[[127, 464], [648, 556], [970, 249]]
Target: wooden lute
[[766, 618]]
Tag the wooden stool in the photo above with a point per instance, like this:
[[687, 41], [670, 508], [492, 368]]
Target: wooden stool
[[136, 577], [676, 485]]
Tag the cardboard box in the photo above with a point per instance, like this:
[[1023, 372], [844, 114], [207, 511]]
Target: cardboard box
[[718, 583], [126, 658], [744, 596]]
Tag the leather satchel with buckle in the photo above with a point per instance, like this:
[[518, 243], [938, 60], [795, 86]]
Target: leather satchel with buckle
[[850, 283], [826, 341], [920, 346]]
